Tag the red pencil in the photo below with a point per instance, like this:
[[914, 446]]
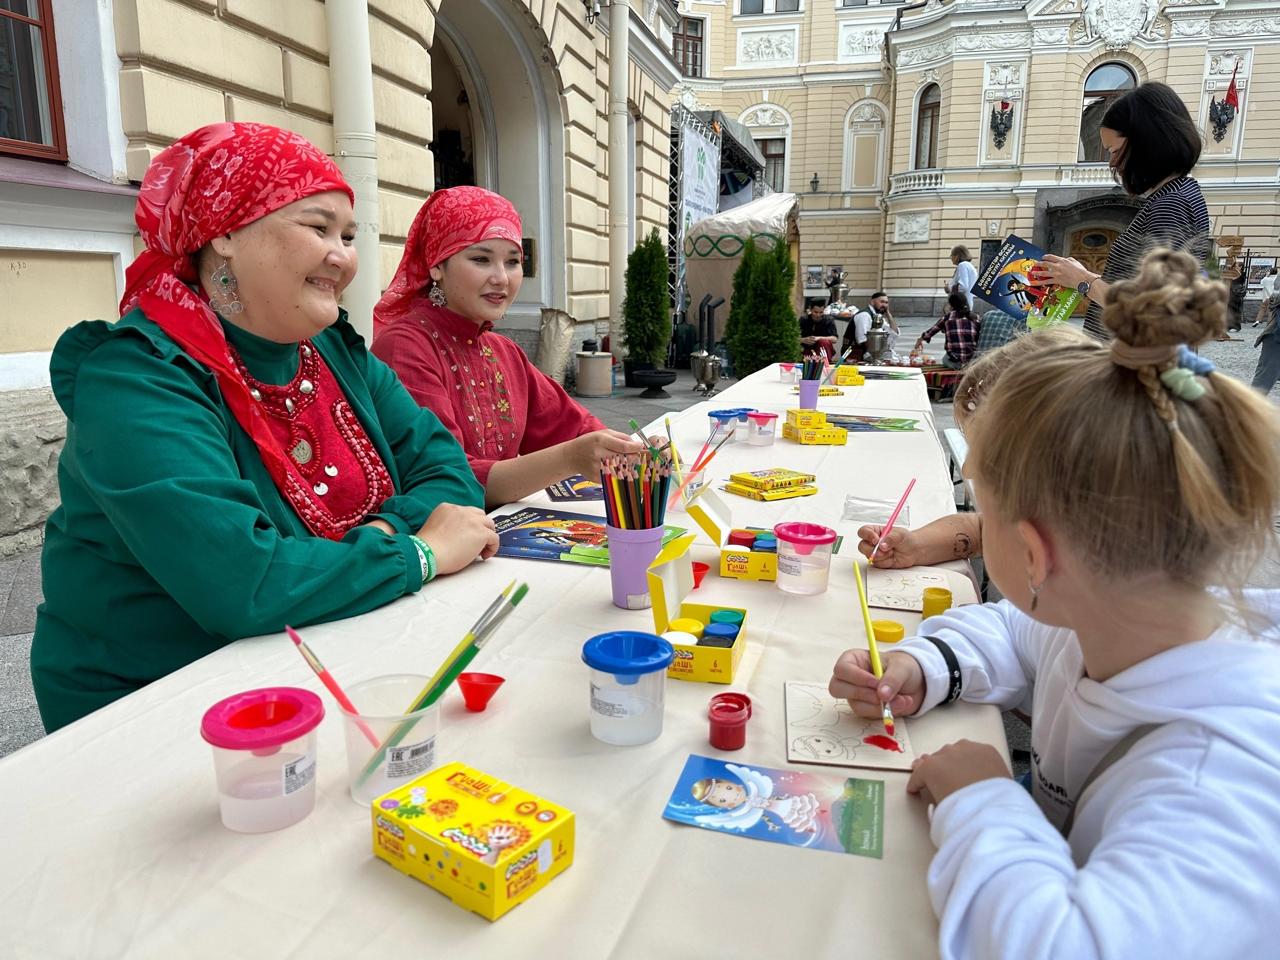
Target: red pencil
[[893, 518], [327, 679]]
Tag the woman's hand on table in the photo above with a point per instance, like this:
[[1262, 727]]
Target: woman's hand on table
[[935, 776], [586, 452], [901, 685], [897, 550], [457, 535]]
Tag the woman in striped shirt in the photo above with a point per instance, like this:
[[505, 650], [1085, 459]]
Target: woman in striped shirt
[[1153, 145]]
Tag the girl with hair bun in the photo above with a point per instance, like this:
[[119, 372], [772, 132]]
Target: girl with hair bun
[[1121, 531]]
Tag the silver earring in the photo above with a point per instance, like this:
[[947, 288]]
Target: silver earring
[[436, 295], [225, 296], [1035, 593]]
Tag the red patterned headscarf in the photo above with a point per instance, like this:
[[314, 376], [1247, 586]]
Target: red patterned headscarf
[[212, 181], [450, 220]]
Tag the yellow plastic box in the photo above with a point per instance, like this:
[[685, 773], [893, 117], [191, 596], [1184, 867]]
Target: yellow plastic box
[[484, 844], [670, 581]]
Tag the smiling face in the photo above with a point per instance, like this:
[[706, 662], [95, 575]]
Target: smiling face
[[480, 282], [291, 266], [726, 795]]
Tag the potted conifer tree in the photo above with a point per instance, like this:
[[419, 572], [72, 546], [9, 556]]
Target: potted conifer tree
[[646, 312], [763, 327]]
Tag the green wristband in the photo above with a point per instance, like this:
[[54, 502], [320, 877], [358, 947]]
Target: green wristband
[[427, 557]]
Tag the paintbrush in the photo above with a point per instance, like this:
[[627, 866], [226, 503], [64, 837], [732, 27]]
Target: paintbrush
[[886, 715], [893, 518]]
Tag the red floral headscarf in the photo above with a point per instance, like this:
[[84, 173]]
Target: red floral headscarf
[[212, 181], [450, 220]]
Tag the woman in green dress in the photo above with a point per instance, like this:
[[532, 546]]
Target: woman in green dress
[[235, 459]]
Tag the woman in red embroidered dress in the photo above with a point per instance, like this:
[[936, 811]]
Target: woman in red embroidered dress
[[235, 458], [434, 326]]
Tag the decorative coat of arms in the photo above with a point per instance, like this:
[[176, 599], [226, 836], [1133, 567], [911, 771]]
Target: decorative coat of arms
[[1119, 22]]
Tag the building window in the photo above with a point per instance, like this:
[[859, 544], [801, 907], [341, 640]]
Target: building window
[[927, 128], [853, 3], [768, 6], [775, 162], [687, 45], [1104, 85], [863, 146], [30, 103]]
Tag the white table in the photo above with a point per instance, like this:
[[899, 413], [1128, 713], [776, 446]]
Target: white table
[[765, 387], [113, 847]]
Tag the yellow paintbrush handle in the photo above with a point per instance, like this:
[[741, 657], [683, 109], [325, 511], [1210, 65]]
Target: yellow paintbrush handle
[[866, 621]]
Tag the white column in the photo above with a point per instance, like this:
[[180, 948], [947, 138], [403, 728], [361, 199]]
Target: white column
[[355, 147], [619, 218]]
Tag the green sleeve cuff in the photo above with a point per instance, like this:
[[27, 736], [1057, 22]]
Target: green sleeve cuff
[[398, 523]]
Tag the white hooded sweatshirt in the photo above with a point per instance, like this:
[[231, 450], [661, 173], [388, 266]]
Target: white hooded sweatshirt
[[1175, 850]]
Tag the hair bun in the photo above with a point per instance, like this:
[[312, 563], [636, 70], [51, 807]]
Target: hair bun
[[1168, 303]]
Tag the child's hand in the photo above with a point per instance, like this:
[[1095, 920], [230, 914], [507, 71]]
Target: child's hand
[[935, 776], [902, 684], [898, 549]]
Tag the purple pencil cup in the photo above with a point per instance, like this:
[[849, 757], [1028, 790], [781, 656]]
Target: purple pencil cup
[[809, 394], [630, 553]]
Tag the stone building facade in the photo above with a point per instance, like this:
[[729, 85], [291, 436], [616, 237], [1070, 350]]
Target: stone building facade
[[509, 94], [909, 129]]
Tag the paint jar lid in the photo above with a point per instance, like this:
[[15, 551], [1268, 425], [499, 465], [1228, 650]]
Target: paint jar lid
[[741, 538], [259, 719], [726, 630], [734, 699], [727, 616], [686, 625], [765, 546], [888, 631], [680, 637]]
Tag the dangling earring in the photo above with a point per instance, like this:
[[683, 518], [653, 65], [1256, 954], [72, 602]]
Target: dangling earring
[[1035, 589], [436, 295], [225, 296]]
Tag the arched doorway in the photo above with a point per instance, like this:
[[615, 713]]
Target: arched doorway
[[498, 124]]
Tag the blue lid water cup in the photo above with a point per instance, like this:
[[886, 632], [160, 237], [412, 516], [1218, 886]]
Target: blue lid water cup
[[628, 672]]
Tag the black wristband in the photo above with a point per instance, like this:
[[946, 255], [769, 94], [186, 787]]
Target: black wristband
[[953, 669]]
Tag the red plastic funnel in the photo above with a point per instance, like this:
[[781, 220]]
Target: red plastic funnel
[[699, 571], [478, 689]]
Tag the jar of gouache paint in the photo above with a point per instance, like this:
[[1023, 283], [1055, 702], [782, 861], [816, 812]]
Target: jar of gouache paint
[[264, 756]]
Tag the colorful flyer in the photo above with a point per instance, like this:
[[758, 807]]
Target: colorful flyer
[[1009, 283], [575, 488], [539, 534], [798, 808]]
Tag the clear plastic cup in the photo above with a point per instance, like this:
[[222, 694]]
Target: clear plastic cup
[[761, 428], [722, 424], [628, 679], [387, 746], [787, 372], [804, 556], [264, 756], [680, 499]]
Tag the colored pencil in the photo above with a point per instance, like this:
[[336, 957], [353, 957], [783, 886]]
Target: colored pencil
[[886, 715], [327, 679], [893, 518]]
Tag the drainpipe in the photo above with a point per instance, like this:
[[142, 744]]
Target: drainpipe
[[355, 147], [619, 224]]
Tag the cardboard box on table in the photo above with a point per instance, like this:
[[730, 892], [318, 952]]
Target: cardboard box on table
[[484, 844], [670, 582], [849, 377], [737, 563]]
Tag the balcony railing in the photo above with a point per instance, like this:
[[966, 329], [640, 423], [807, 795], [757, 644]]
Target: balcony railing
[[916, 180], [1092, 174]]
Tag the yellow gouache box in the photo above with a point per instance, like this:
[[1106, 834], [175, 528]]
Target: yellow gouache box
[[849, 377], [737, 563], [484, 844], [805, 418], [670, 581], [829, 436]]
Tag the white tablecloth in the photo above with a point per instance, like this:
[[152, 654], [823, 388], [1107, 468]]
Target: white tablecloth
[[764, 386], [113, 847]]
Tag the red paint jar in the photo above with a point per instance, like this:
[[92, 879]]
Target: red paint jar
[[728, 714]]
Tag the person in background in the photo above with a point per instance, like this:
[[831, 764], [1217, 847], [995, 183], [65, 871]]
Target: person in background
[[1268, 297], [1153, 144], [1267, 372], [960, 328], [235, 460], [818, 331], [965, 275], [1128, 493], [460, 272], [855, 334]]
